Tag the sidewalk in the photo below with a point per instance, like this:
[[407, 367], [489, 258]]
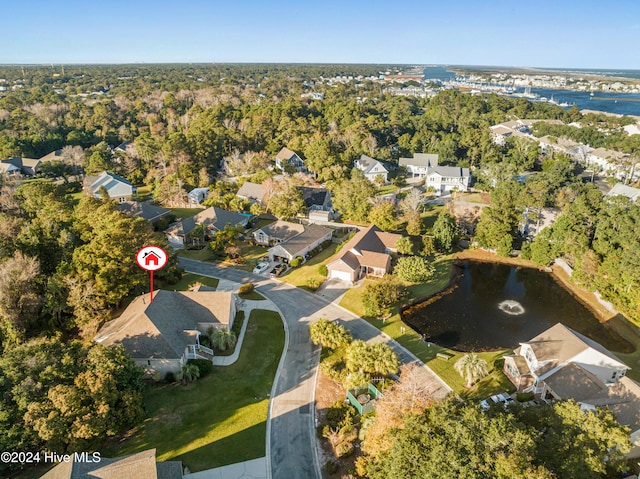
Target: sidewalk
[[253, 469]]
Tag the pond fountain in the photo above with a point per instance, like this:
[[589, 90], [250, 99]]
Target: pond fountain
[[511, 307], [495, 306]]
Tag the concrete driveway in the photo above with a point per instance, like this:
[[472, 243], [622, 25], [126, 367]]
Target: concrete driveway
[[290, 428]]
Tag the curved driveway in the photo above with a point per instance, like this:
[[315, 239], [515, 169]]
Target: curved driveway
[[291, 429]]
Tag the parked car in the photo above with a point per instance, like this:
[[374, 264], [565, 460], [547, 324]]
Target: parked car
[[501, 398], [278, 270], [260, 268]]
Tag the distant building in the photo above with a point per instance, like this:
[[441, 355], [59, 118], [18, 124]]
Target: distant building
[[419, 164], [197, 196], [27, 166], [371, 168], [623, 190], [287, 159], [117, 188]]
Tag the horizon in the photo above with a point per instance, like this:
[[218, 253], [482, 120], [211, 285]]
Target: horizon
[[358, 32]]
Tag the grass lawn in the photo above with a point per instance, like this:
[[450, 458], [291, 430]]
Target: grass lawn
[[407, 337], [217, 420], [144, 193], [480, 198], [204, 254], [250, 254], [386, 189], [182, 213], [430, 214], [190, 279], [303, 275]]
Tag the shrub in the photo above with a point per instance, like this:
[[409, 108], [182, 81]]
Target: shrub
[[322, 269], [313, 284], [524, 397], [295, 262], [246, 288], [329, 334], [204, 366], [340, 414], [414, 269], [344, 449], [170, 377]]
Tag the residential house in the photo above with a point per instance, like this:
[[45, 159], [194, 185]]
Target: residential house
[[371, 168], [502, 131], [366, 254], [444, 179], [253, 192], [9, 169], [116, 187], [143, 209], [562, 144], [142, 465], [287, 159], [608, 161], [561, 363], [197, 196], [212, 219], [623, 190], [311, 237], [277, 232], [53, 156], [419, 164], [126, 148], [27, 166], [316, 198], [163, 334]]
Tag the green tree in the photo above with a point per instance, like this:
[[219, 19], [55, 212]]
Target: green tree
[[472, 368], [329, 334], [352, 198], [222, 339], [414, 269], [405, 245], [378, 296], [190, 372], [445, 232], [383, 215], [377, 358], [286, 201]]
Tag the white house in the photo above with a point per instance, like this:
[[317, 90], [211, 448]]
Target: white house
[[623, 190], [444, 179], [116, 187], [609, 161], [198, 195], [290, 159], [371, 168], [418, 165]]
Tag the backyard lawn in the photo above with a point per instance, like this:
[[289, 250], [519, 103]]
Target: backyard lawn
[[217, 420], [188, 280], [407, 337], [250, 254], [204, 254], [182, 213], [306, 275]]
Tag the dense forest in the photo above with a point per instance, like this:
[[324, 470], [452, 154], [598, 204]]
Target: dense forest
[[64, 263]]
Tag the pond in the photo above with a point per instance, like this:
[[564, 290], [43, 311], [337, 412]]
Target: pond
[[495, 306]]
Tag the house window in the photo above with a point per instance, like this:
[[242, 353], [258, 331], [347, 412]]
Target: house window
[[121, 199], [614, 375], [148, 362]]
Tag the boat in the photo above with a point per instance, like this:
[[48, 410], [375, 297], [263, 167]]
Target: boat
[[563, 104]]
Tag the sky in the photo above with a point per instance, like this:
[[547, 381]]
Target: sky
[[558, 34]]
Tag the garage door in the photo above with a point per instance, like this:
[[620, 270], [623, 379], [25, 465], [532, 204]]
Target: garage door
[[343, 275]]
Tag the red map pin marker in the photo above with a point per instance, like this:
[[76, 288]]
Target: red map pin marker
[[151, 258]]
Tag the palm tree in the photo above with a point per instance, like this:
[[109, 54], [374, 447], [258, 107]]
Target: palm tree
[[223, 339], [190, 372], [472, 368]]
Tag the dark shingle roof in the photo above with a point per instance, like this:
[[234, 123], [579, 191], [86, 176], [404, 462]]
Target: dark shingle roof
[[142, 209], [314, 196], [310, 235], [214, 218]]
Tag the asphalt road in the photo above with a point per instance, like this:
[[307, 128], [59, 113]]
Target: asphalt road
[[291, 429]]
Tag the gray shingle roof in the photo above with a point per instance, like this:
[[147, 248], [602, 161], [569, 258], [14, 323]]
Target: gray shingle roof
[[420, 159], [251, 191], [142, 209], [213, 218], [310, 235]]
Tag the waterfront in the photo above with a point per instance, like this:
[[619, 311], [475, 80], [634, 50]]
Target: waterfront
[[584, 101], [495, 306]]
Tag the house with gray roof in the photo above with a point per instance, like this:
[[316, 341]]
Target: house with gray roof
[[142, 465], [289, 160], [561, 363], [143, 209], [277, 232], [371, 168], [621, 189], [212, 219], [418, 165], [27, 166], [161, 336], [252, 192], [311, 237], [444, 179], [315, 198], [117, 188]]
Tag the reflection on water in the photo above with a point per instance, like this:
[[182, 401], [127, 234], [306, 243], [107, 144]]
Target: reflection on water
[[495, 306]]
